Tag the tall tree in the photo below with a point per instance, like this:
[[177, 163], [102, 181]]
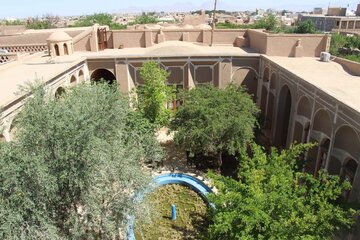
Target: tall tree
[[272, 200], [74, 166], [154, 94], [213, 121]]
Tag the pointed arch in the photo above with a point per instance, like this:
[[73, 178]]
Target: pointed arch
[[283, 117], [103, 75], [66, 50], [57, 51]]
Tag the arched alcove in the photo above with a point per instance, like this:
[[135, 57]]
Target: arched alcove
[[304, 108], [59, 92], [283, 117], [103, 75], [266, 75], [246, 77], [298, 130], [322, 122], [270, 110], [73, 80], [273, 81], [323, 152], [348, 173], [66, 50], [348, 141], [81, 76], [2, 138], [334, 166], [57, 52], [263, 102]]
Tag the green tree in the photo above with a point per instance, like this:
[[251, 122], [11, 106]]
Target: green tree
[[214, 121], [46, 22], [145, 18], [269, 22], [99, 18], [305, 27], [154, 94], [272, 200], [74, 166], [14, 22]]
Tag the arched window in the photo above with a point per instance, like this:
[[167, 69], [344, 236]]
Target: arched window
[[283, 117], [57, 52], [66, 50]]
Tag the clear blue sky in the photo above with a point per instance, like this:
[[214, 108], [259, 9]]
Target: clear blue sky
[[23, 8]]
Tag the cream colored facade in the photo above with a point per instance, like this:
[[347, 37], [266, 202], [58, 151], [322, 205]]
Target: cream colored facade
[[301, 98]]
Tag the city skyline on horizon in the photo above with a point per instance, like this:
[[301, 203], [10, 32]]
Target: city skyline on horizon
[[11, 9]]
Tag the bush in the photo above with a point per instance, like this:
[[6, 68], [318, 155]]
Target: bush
[[341, 41], [305, 27]]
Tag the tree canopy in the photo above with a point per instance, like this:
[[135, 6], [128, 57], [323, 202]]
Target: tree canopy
[[213, 121], [305, 27], [145, 18], [73, 168], [272, 200], [99, 18], [154, 94]]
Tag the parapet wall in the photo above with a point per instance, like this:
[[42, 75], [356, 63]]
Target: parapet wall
[[271, 44], [28, 48], [8, 57], [285, 44], [350, 66], [147, 38], [257, 40]]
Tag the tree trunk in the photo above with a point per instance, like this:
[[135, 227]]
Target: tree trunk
[[220, 161]]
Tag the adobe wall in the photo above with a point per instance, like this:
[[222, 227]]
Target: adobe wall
[[349, 66], [146, 38], [257, 40], [83, 44], [128, 39], [227, 36], [9, 30], [284, 44]]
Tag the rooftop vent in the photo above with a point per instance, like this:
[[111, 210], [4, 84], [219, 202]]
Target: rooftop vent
[[325, 56]]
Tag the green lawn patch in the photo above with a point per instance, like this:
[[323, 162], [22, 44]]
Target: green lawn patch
[[191, 219]]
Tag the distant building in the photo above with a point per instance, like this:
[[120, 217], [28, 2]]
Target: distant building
[[260, 11], [329, 23], [319, 11], [336, 11]]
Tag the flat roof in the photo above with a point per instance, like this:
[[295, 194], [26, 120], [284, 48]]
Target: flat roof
[[330, 77], [39, 66]]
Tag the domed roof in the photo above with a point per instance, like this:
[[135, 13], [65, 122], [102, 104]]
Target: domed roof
[[59, 36]]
